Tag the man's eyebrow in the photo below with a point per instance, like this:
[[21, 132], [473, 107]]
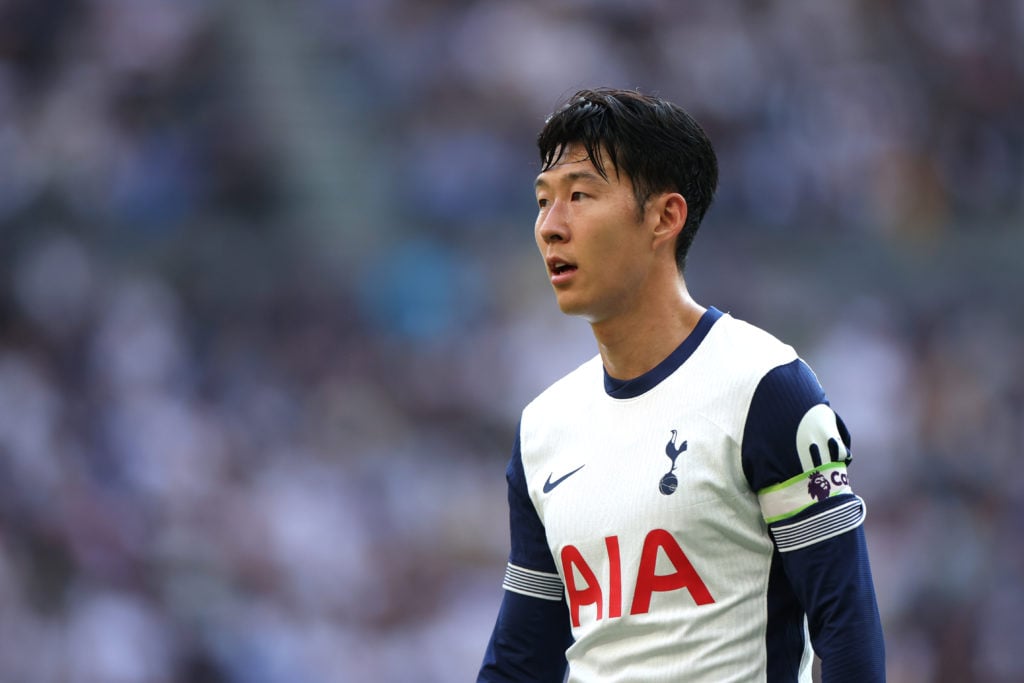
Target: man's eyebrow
[[571, 177]]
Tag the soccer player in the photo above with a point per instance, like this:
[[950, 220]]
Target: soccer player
[[680, 507]]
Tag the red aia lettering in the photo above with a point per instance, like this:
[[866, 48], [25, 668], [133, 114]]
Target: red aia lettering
[[588, 591], [614, 578], [590, 594], [685, 576]]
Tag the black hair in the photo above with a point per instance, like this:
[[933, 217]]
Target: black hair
[[655, 143]]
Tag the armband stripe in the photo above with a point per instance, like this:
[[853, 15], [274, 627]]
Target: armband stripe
[[825, 525], [532, 583], [796, 494]]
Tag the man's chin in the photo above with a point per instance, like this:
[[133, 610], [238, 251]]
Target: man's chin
[[569, 306], [576, 308]]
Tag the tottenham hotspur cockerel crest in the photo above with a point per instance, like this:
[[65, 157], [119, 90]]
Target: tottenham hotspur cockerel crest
[[669, 481]]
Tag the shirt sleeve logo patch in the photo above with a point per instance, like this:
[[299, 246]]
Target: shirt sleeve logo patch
[[793, 496], [818, 440], [818, 487]]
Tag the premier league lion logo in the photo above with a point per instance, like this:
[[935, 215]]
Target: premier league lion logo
[[818, 487]]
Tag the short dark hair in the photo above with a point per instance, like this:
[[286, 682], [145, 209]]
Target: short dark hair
[[654, 142]]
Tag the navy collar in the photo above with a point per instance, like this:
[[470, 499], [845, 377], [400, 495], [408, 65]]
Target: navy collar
[[631, 388]]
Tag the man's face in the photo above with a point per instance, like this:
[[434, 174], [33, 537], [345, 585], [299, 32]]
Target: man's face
[[592, 238]]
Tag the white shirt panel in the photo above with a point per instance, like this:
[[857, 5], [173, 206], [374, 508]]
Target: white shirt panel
[[618, 452]]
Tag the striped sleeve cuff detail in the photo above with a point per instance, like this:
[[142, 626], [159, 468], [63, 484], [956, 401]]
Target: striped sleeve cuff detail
[[819, 527], [532, 583]]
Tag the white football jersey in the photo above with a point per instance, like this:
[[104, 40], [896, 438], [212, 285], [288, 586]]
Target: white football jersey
[[660, 542]]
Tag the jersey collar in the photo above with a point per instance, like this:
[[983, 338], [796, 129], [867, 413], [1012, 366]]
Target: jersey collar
[[631, 388]]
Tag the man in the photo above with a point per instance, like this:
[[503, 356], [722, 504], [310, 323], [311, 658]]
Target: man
[[680, 508]]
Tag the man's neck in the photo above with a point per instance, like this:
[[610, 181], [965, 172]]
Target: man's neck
[[633, 344]]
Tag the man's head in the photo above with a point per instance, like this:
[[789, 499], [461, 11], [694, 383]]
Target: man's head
[[654, 143]]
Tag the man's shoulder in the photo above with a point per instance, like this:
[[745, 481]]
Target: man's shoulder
[[746, 345]]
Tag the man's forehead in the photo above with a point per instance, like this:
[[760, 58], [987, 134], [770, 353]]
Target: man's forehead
[[573, 159], [575, 153]]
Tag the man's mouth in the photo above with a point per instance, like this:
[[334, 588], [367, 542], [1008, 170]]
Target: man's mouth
[[557, 266]]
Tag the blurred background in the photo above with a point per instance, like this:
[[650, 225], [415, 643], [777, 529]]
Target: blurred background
[[269, 307]]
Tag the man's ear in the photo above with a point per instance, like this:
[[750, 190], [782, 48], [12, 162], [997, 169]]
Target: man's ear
[[671, 211]]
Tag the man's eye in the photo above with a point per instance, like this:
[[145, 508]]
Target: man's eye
[[542, 202], [576, 196]]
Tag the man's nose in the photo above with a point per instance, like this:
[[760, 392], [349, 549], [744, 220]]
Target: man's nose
[[554, 226]]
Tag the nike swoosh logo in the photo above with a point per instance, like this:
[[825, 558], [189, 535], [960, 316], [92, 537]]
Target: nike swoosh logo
[[550, 485]]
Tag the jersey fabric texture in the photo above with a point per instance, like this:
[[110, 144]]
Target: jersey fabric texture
[[695, 523]]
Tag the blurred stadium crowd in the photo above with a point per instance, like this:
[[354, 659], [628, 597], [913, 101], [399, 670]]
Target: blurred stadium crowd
[[269, 307]]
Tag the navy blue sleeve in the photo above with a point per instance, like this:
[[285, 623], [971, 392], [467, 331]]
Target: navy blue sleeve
[[795, 455], [531, 633], [832, 580], [771, 453], [528, 643], [529, 540]]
